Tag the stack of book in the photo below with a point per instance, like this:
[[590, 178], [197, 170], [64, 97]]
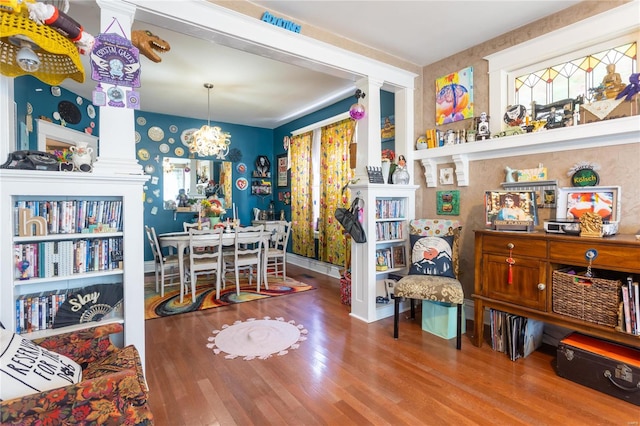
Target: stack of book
[[515, 335], [631, 307]]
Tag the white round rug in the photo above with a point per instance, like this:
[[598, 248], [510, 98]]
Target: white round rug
[[255, 338]]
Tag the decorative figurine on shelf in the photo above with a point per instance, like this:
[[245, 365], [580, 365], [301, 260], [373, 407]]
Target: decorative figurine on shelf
[[612, 82], [400, 174], [591, 225], [509, 174], [183, 199], [632, 88], [482, 127]]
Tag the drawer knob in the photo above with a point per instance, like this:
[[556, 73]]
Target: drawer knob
[[510, 246], [542, 286]]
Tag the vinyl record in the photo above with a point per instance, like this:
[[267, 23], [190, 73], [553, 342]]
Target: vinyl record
[[69, 112], [88, 304]]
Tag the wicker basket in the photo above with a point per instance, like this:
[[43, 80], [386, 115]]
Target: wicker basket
[[590, 299]]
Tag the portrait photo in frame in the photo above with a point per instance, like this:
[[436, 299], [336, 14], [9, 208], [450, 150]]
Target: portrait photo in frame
[[283, 171]]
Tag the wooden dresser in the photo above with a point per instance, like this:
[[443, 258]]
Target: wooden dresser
[[534, 257]]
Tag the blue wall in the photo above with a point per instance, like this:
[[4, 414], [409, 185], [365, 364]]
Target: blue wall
[[250, 142], [28, 89]]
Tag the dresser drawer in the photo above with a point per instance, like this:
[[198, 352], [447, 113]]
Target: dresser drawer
[[499, 244], [609, 256]]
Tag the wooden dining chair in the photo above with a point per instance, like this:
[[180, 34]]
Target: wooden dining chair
[[247, 253], [165, 266], [205, 257], [275, 253]]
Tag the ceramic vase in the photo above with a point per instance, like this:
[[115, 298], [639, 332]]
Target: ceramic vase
[[400, 176], [386, 166], [81, 156]]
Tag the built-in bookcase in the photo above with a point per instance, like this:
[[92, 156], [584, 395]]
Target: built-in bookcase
[[65, 231]]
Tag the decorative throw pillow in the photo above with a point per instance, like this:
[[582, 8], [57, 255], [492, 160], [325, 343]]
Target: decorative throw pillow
[[26, 368], [432, 256]]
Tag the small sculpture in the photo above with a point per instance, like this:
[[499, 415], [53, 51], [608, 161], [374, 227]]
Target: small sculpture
[[183, 199], [148, 44], [632, 88], [483, 127], [612, 82], [590, 225], [509, 177]]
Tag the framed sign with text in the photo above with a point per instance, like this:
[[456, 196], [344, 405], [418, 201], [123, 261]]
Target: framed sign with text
[[283, 168]]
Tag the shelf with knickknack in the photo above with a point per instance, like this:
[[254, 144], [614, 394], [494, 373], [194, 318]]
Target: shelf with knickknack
[[620, 131], [64, 266]]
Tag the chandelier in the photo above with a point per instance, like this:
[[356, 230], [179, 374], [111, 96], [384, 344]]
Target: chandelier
[[210, 141]]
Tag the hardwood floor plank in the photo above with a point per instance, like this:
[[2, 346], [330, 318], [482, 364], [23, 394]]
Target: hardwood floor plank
[[349, 372]]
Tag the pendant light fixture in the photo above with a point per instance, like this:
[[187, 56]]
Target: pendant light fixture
[[210, 141]]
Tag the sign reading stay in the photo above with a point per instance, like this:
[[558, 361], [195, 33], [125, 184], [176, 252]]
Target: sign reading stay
[[280, 22]]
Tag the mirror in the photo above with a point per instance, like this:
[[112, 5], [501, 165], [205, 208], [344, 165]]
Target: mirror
[[198, 178]]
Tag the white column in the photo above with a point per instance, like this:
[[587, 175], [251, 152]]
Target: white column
[[117, 154], [368, 135], [404, 127], [8, 136]]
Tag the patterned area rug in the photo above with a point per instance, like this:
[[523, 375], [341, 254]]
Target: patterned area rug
[[257, 338], [156, 306]]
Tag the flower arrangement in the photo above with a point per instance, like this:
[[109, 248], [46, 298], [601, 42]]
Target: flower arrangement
[[212, 208], [388, 155], [63, 156]]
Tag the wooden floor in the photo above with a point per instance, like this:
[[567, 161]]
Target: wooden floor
[[351, 373]]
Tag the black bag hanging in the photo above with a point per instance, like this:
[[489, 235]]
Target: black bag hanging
[[348, 218]]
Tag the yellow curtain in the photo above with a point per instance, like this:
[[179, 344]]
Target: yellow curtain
[[334, 175], [301, 200]]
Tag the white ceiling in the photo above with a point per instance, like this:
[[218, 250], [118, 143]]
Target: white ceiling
[[257, 91]]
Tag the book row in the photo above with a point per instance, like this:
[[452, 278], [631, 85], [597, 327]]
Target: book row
[[514, 335], [631, 307], [389, 231], [74, 216], [36, 312], [390, 209], [62, 258]]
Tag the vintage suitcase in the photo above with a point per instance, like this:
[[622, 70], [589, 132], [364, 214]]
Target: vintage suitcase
[[605, 366]]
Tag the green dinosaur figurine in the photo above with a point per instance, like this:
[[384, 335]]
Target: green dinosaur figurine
[[149, 43]]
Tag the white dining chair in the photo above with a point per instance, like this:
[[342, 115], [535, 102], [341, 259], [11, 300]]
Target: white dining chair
[[205, 257], [275, 253], [165, 266], [247, 253], [194, 225]]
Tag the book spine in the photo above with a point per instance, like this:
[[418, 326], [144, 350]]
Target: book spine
[[636, 293], [625, 308]]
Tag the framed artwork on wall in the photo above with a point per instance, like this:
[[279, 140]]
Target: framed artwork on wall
[[283, 166], [454, 96]]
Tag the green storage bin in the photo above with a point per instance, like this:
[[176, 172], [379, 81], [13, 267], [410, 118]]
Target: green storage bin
[[440, 319]]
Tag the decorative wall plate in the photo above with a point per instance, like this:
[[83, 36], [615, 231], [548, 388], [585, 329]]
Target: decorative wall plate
[[143, 154], [164, 148], [242, 183], [173, 128], [69, 112], [185, 136], [171, 140], [55, 91], [79, 100], [155, 133], [179, 151], [149, 169], [138, 137], [141, 121], [29, 108], [241, 168], [91, 111], [56, 116]]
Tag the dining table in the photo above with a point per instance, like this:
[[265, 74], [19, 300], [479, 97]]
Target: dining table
[[180, 241]]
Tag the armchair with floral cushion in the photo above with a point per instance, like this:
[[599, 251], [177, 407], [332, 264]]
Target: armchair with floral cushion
[[112, 390]]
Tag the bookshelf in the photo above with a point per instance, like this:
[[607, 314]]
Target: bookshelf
[[387, 212], [92, 237]]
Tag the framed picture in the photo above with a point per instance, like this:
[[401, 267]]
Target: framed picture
[[283, 169], [398, 256], [510, 206]]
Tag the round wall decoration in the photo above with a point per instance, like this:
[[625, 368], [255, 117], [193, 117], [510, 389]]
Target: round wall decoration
[[171, 140], [155, 133], [141, 121], [179, 151], [185, 136], [69, 112], [241, 168], [143, 154], [173, 128], [242, 183], [138, 137], [164, 148], [79, 100], [91, 111], [149, 169]]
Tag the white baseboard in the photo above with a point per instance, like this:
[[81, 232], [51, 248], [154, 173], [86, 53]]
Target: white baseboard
[[314, 265]]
